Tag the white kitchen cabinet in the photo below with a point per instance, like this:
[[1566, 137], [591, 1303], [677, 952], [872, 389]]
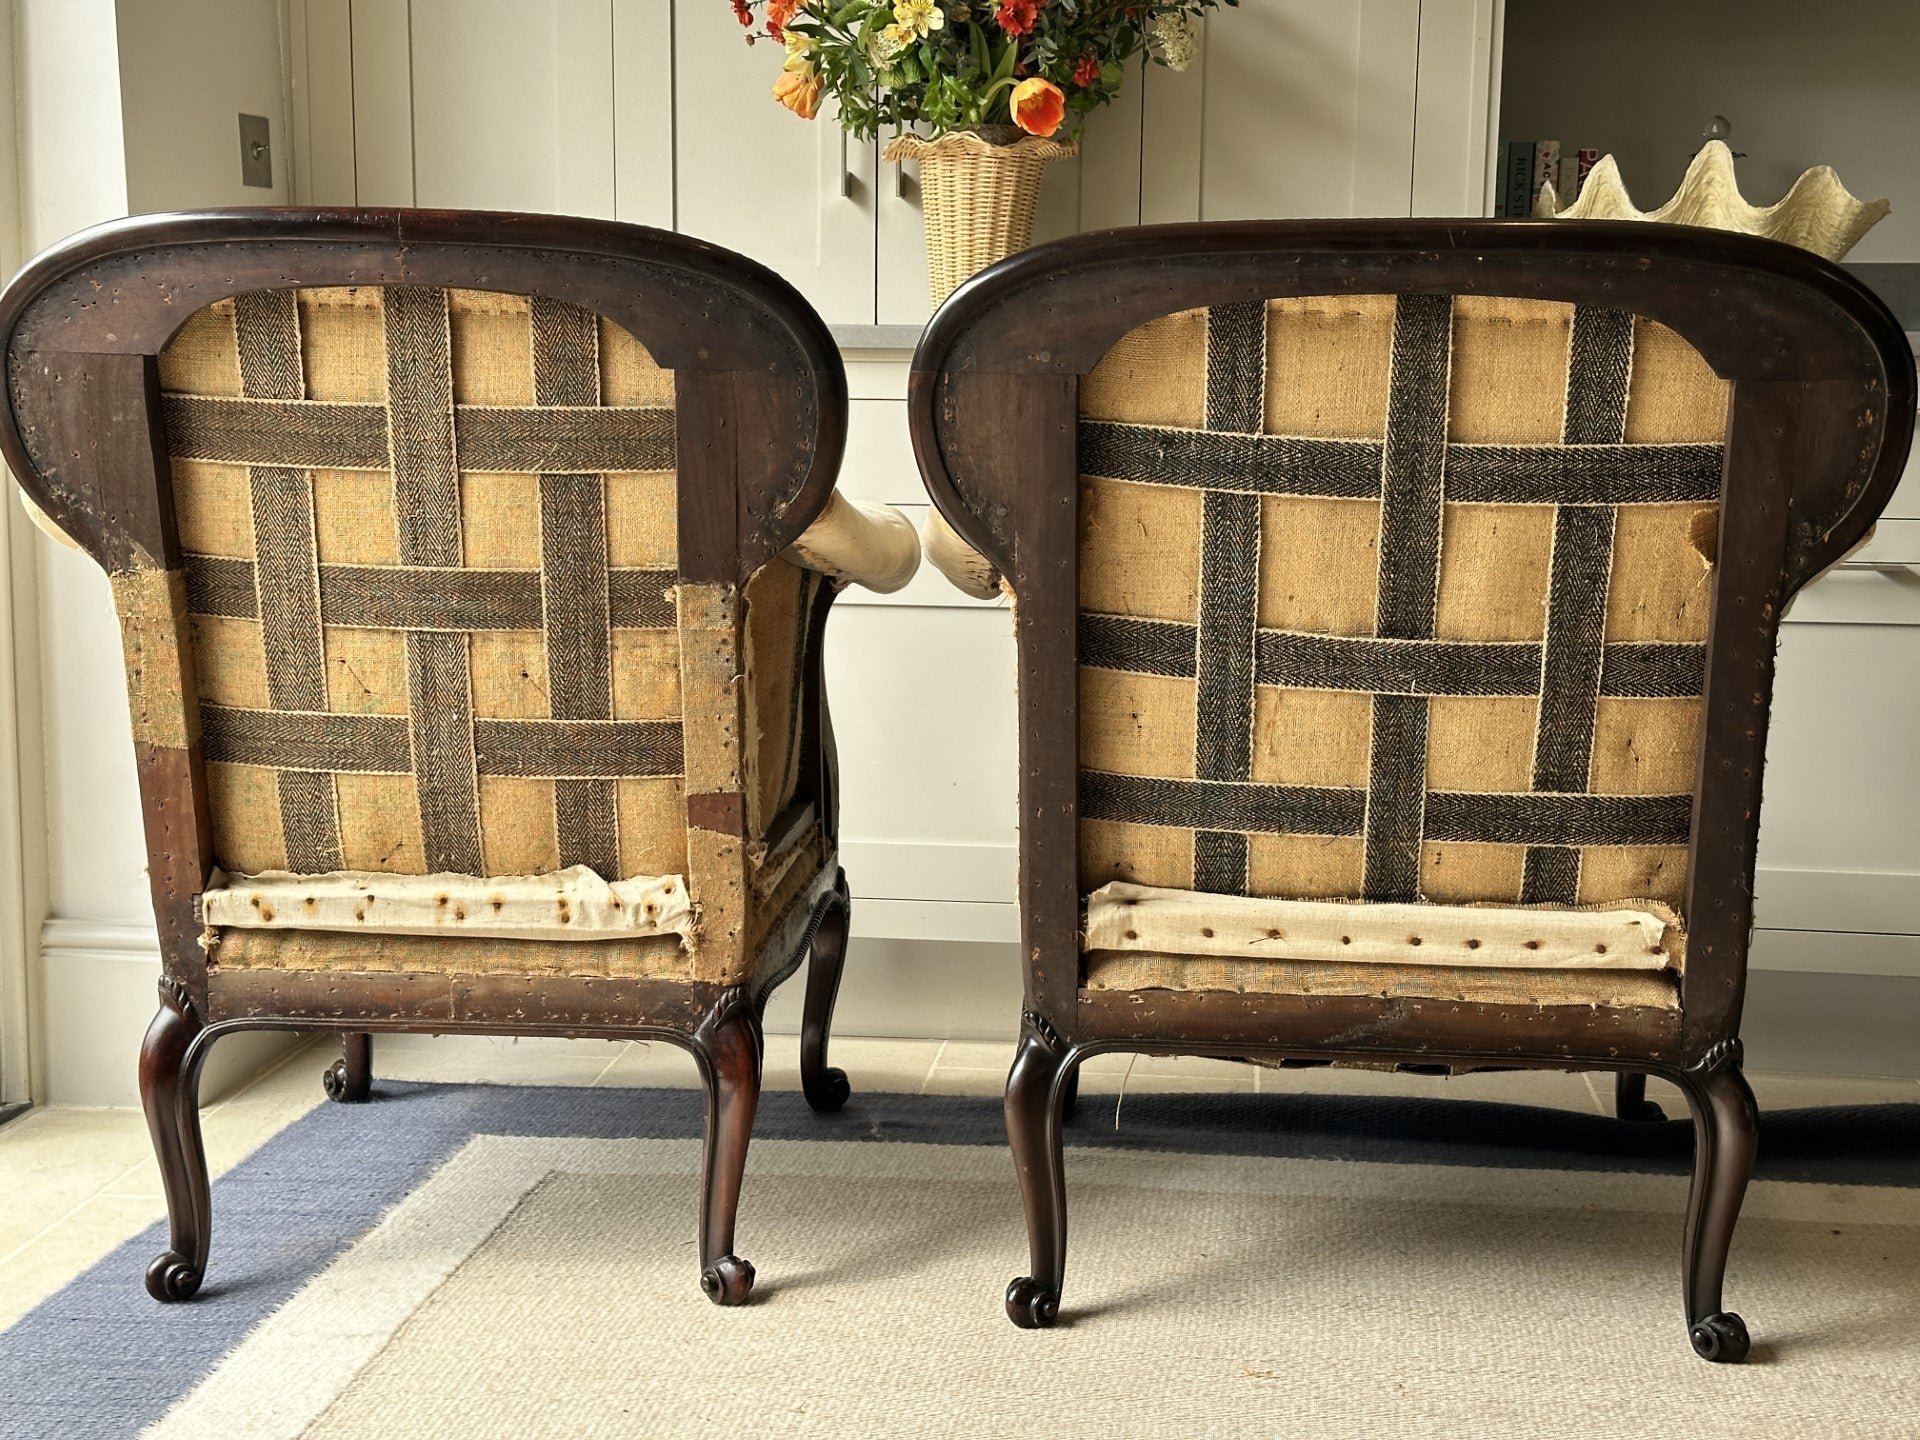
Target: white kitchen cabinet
[[1297, 109], [1294, 108], [796, 195], [543, 140], [486, 104]]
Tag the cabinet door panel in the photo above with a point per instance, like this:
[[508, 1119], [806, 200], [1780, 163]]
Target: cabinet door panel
[[513, 105], [1295, 109], [923, 720], [643, 111], [796, 195]]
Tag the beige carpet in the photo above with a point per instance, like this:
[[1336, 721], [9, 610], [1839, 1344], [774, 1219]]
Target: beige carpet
[[1208, 1296]]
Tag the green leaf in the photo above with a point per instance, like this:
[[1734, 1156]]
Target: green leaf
[[1008, 57]]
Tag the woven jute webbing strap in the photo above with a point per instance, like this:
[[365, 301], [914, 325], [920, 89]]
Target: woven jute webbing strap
[[267, 326], [1412, 470]]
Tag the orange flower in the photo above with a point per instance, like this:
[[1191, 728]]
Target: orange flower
[[1038, 106], [799, 91], [779, 14]]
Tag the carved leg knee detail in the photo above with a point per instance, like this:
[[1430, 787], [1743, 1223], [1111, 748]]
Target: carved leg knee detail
[[826, 1088], [170, 1095], [729, 1046], [1726, 1134], [1037, 1090]]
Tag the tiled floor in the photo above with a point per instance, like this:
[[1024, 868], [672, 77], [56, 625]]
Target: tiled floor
[[79, 1182]]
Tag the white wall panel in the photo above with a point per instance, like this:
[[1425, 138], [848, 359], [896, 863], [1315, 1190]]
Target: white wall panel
[[1298, 108], [183, 139], [796, 195], [513, 105]]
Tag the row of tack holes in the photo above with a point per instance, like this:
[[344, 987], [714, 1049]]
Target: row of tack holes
[[1207, 932]]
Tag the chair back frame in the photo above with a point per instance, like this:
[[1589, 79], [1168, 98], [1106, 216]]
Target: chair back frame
[[760, 407], [1820, 419]]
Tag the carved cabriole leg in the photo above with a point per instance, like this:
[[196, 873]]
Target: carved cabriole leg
[[728, 1048], [826, 1088], [349, 1079], [1036, 1093], [1726, 1129], [1069, 1094], [170, 1094], [1630, 1098]]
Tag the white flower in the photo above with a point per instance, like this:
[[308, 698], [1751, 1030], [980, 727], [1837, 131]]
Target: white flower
[[883, 45], [1177, 37]]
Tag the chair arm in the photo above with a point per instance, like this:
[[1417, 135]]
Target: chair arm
[[871, 545], [970, 571]]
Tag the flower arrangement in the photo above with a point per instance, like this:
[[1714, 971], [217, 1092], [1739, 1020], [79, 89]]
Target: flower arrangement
[[952, 65]]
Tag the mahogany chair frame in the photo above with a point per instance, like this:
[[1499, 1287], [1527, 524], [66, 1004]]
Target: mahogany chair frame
[[761, 408], [1820, 420]]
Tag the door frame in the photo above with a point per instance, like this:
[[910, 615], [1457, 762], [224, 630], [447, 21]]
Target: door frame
[[23, 880]]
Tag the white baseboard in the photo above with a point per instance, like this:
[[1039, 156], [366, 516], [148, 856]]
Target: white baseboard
[[99, 983]]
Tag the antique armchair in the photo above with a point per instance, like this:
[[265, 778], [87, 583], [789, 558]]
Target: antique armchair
[[472, 573], [1396, 606]]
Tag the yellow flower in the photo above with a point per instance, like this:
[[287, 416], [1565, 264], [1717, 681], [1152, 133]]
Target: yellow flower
[[917, 17]]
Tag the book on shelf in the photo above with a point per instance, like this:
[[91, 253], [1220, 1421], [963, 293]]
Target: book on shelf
[[1546, 161], [1588, 159], [1515, 179]]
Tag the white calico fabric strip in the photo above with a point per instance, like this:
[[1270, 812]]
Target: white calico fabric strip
[[871, 545], [970, 571], [570, 904], [1187, 922]]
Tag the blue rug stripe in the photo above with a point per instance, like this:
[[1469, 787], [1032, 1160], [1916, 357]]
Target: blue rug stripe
[[100, 1359]]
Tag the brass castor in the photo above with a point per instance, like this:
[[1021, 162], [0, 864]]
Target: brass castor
[[1721, 1338], [728, 1281], [1029, 1306], [170, 1278], [828, 1092]]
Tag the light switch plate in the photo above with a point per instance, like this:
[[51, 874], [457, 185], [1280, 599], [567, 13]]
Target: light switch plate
[[256, 152]]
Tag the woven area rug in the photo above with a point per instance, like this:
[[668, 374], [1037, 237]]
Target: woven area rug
[[494, 1261]]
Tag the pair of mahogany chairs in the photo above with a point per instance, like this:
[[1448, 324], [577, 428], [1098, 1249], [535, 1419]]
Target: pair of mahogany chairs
[[1396, 609]]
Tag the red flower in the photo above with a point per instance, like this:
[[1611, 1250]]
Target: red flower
[[1016, 16], [1086, 72], [742, 13], [1038, 107]]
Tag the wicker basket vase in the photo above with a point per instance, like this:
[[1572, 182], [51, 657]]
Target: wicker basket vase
[[978, 192]]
